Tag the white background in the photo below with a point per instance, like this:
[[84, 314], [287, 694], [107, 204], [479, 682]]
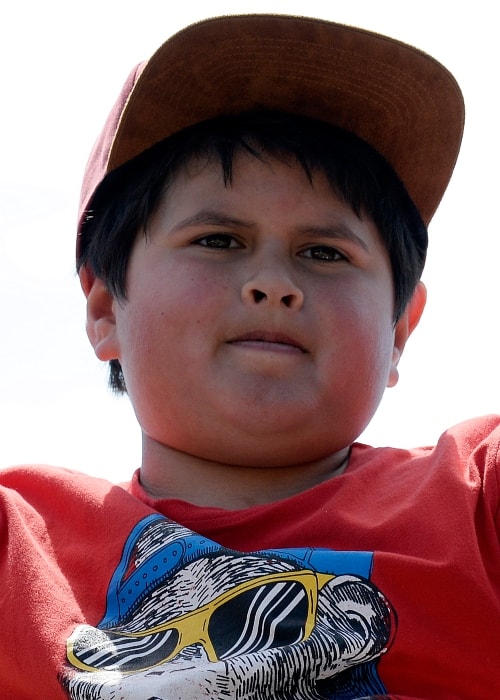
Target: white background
[[63, 63]]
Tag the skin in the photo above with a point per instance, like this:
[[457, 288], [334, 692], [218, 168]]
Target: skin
[[257, 337]]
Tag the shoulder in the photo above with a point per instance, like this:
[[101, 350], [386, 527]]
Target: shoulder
[[41, 506], [475, 444], [463, 466], [477, 438], [44, 489], [38, 478], [475, 431], [468, 452]]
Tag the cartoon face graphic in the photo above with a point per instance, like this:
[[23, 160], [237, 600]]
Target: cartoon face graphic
[[189, 619]]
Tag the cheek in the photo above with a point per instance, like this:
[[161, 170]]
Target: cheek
[[360, 329], [168, 319]]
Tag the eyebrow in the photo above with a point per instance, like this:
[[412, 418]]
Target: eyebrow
[[336, 231], [211, 217]]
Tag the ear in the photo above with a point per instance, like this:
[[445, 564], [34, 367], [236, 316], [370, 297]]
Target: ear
[[101, 320], [404, 327]]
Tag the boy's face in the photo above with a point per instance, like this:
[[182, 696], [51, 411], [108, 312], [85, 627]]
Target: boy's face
[[258, 328]]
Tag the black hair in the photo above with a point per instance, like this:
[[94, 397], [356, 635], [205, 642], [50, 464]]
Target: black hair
[[127, 197]]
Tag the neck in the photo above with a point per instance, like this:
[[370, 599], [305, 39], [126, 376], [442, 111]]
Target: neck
[[168, 473]]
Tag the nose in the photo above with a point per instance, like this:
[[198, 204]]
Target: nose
[[272, 287]]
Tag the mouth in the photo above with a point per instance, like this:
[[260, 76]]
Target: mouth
[[268, 340]]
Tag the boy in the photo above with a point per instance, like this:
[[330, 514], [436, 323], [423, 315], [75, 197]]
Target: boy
[[251, 239]]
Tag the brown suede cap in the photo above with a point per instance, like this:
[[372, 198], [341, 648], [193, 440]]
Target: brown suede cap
[[399, 99]]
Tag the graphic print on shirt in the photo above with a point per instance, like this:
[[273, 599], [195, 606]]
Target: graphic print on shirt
[[187, 618]]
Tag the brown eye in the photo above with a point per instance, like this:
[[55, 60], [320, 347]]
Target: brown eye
[[324, 253], [217, 241]]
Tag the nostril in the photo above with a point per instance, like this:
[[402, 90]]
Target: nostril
[[287, 300], [258, 295]]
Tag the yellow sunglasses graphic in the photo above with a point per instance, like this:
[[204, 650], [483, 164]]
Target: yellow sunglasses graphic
[[269, 611]]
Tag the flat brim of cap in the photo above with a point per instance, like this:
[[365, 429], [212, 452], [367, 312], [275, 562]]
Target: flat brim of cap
[[397, 98]]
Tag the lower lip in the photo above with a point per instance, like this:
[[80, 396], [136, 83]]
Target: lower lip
[[266, 346]]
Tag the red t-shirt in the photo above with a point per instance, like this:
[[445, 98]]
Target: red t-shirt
[[381, 582]]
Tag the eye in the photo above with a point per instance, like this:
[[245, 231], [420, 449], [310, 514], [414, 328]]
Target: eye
[[324, 253], [218, 241]]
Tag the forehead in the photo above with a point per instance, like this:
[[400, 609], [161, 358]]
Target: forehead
[[251, 177]]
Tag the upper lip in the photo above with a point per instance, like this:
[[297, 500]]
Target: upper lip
[[267, 336]]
